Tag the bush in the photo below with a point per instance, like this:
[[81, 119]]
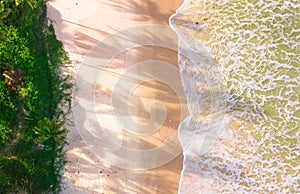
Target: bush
[[31, 135]]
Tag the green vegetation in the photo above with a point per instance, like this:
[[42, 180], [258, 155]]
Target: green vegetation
[[32, 135]]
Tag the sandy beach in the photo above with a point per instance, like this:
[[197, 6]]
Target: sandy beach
[[80, 25]]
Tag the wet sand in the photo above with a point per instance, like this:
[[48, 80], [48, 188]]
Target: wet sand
[[80, 25]]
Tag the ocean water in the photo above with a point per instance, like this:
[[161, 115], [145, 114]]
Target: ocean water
[[240, 66]]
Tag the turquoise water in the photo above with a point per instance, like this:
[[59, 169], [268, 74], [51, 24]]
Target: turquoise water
[[256, 46]]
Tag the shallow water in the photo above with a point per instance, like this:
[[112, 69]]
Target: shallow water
[[245, 55]]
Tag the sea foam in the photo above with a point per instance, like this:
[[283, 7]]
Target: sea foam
[[239, 65]]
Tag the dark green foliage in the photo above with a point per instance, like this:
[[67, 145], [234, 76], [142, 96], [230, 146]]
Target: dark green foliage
[[5, 132], [51, 139], [31, 135]]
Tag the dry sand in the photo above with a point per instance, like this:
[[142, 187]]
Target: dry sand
[[80, 25]]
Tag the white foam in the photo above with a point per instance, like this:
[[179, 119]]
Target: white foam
[[253, 145]]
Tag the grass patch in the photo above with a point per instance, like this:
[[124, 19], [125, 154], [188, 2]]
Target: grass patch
[[32, 135]]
